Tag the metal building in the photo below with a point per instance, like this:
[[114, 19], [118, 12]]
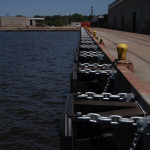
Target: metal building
[[100, 21], [131, 15], [18, 21]]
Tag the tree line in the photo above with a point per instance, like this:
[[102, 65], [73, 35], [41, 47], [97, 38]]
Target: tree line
[[58, 20]]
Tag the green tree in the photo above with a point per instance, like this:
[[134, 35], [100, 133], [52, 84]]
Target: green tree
[[59, 20]]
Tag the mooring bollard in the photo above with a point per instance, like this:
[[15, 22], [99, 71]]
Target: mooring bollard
[[102, 42], [122, 61], [87, 29], [96, 37], [122, 50], [94, 33]]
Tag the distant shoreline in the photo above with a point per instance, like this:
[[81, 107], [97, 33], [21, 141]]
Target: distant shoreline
[[40, 28]]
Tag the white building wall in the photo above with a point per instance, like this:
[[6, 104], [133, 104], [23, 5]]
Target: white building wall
[[76, 24], [33, 23], [14, 21]]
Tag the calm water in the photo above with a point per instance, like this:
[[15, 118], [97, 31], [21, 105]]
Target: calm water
[[34, 81]]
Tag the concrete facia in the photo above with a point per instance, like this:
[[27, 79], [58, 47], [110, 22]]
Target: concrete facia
[[18, 21], [14, 21]]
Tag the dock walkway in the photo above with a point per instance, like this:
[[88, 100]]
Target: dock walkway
[[138, 49]]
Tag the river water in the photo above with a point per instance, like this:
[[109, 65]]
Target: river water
[[35, 72]]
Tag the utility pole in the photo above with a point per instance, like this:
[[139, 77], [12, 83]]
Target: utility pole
[[67, 21], [92, 12]]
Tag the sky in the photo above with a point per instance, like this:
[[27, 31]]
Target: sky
[[31, 8]]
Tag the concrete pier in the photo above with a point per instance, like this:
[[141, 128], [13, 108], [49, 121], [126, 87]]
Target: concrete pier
[[138, 51]]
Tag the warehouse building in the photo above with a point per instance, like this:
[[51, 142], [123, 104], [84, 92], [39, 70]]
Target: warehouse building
[[131, 15], [18, 21], [100, 21]]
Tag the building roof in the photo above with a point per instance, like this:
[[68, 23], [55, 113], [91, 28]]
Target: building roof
[[37, 19], [96, 18], [115, 3]]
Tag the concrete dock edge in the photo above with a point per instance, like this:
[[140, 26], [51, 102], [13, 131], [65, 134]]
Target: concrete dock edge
[[139, 88]]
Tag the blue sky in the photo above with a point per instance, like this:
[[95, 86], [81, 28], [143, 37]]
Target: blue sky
[[52, 7]]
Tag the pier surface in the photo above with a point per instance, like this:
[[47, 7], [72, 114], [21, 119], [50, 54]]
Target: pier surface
[[138, 49]]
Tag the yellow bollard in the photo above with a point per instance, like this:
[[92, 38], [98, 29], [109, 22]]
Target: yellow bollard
[[122, 50], [94, 33], [88, 29], [102, 42]]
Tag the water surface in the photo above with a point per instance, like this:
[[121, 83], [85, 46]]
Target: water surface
[[34, 81]]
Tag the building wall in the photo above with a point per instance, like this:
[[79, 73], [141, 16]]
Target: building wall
[[14, 21], [100, 21], [33, 23], [133, 15], [76, 24]]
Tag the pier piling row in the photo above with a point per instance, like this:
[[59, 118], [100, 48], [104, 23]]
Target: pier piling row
[[105, 109]]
